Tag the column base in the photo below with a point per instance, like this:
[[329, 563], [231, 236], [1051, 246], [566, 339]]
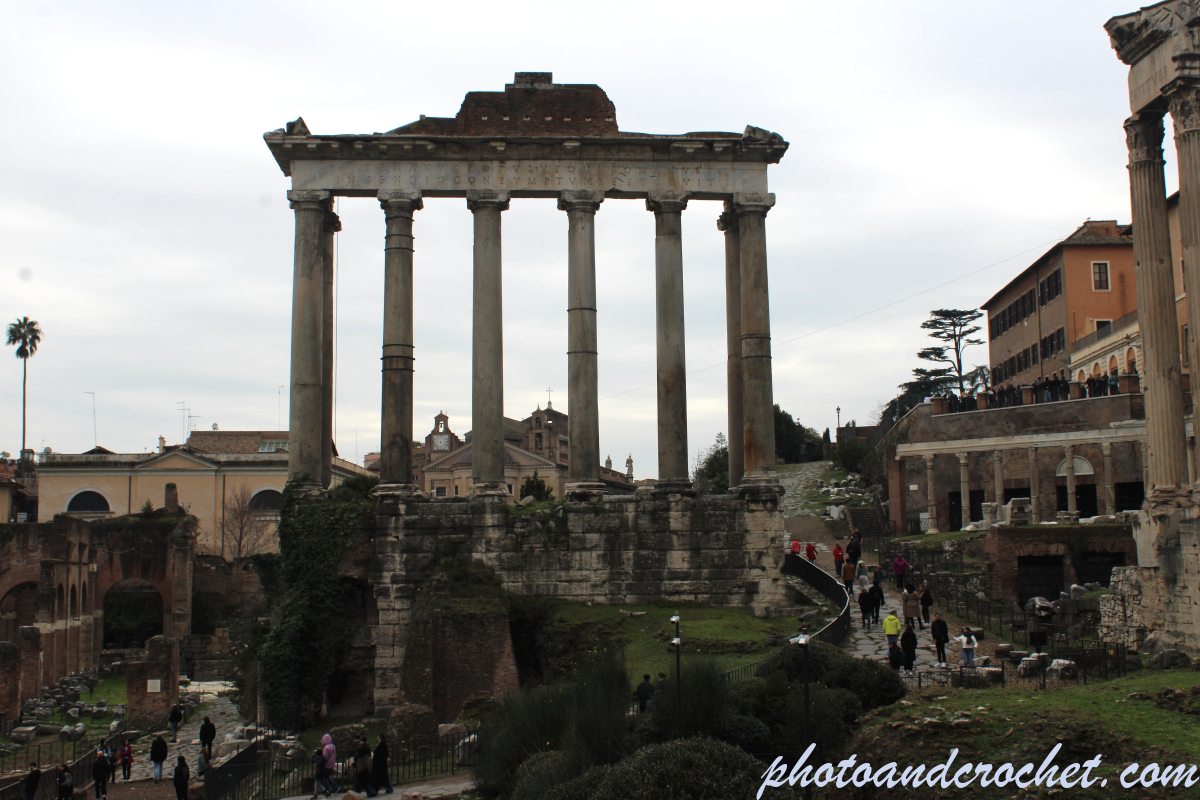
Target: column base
[[490, 490], [398, 490], [585, 491], [680, 487], [761, 487], [932, 530]]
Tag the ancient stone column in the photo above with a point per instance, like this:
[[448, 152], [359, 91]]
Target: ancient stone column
[[583, 425], [998, 469], [1184, 98], [1034, 510], [304, 415], [931, 493], [727, 222], [487, 346], [1072, 506], [1110, 496], [757, 398], [332, 226], [1156, 306], [672, 367], [964, 488], [1145, 466], [395, 458]]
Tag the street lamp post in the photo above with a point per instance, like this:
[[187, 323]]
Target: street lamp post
[[803, 642], [839, 413], [678, 688]]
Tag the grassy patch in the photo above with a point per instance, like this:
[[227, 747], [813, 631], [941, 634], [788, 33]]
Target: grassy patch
[[1118, 719], [734, 637], [312, 737]]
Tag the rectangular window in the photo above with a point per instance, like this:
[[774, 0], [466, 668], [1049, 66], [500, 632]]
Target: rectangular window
[[1062, 339], [1033, 301], [456, 490], [1103, 327], [439, 491], [510, 488], [1033, 353], [270, 446], [1183, 344], [1100, 276]]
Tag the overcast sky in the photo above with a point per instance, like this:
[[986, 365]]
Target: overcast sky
[[936, 150]]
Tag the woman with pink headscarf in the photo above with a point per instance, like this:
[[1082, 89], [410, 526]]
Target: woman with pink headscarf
[[326, 765]]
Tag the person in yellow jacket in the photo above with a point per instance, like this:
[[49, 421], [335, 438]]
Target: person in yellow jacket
[[892, 628]]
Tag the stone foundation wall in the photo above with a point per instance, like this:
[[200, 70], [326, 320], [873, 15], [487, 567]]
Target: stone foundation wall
[[721, 550], [150, 702], [455, 655], [10, 681], [1004, 545]]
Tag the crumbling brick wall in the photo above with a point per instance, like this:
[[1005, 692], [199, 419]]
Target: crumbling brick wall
[[153, 684]]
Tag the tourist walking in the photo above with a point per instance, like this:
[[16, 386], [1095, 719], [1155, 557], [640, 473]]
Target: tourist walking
[[810, 552], [65, 782], [645, 690], [891, 628], [854, 549], [158, 754], [877, 578], [125, 757], [864, 580], [941, 634], [202, 763], [912, 608], [926, 602], [839, 556], [379, 766], [175, 719], [180, 778], [101, 769], [795, 547], [895, 657], [208, 734], [865, 604], [32, 780], [848, 576], [362, 768], [899, 568], [876, 592], [968, 644], [908, 643]]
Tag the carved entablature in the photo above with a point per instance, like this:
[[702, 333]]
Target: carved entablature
[[1135, 35], [570, 142]]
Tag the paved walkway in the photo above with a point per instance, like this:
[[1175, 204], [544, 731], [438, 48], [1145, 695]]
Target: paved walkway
[[221, 710], [448, 786]]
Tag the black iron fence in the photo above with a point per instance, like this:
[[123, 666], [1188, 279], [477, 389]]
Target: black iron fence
[[50, 758], [1093, 663], [830, 588]]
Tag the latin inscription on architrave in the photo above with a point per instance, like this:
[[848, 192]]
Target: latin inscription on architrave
[[540, 178]]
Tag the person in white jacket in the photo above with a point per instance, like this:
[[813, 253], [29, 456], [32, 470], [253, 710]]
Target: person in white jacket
[[967, 643]]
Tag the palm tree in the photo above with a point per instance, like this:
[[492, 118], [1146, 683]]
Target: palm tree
[[26, 335]]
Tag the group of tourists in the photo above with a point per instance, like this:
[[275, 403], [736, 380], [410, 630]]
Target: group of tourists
[[1051, 389], [369, 769], [902, 642]]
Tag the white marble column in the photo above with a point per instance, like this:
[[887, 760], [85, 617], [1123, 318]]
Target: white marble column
[[673, 474], [728, 223], [758, 409], [1184, 97], [396, 430], [1110, 497], [1072, 505], [964, 488], [487, 351], [328, 244], [1163, 386], [304, 415], [583, 425], [1035, 512], [931, 493]]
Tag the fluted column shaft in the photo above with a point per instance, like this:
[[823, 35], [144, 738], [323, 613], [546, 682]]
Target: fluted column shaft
[[964, 488], [328, 243], [395, 457], [1035, 512], [583, 424], [931, 493], [487, 346], [728, 223], [1156, 305], [1072, 505], [757, 392], [998, 471], [1110, 496], [672, 362], [1184, 98], [304, 415]]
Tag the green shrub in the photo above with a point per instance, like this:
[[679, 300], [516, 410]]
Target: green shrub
[[831, 712], [746, 732], [703, 698], [686, 769], [542, 772], [871, 681]]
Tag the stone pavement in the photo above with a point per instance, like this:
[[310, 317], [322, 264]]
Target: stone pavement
[[221, 710], [448, 786]]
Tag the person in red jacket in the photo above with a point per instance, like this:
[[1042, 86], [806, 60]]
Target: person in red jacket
[[811, 552], [795, 547], [839, 555]]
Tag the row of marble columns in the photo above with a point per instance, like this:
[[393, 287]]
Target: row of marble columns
[[751, 415], [931, 493], [1168, 454]]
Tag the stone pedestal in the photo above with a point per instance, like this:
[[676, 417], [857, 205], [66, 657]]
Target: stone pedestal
[[1075, 390], [1128, 383], [153, 684]]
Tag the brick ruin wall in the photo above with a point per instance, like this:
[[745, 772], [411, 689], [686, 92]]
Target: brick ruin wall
[[153, 684], [1005, 545], [1163, 598], [718, 550]]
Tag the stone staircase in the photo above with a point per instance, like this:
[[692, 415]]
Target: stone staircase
[[867, 520]]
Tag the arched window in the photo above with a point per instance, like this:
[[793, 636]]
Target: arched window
[[1082, 376], [537, 441], [1130, 361], [74, 608], [88, 502], [267, 501], [1112, 366]]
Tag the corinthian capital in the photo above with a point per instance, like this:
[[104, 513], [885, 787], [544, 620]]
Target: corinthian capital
[[1144, 135], [753, 203], [482, 198], [1184, 98], [669, 202], [580, 201]]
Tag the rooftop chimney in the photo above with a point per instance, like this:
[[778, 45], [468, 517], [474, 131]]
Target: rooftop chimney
[[162, 444]]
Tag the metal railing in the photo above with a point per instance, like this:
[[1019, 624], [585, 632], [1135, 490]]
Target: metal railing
[[1095, 663], [831, 589], [1117, 326]]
